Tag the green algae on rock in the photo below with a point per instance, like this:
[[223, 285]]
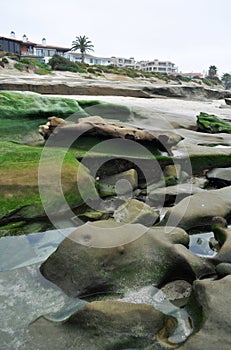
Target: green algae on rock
[[23, 112], [212, 124], [20, 200]]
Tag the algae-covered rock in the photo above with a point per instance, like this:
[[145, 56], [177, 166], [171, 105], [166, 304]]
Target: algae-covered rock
[[20, 200], [107, 110], [95, 259], [22, 112], [18, 105], [212, 124]]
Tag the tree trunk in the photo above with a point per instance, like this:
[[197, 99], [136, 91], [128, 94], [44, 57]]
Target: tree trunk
[[82, 59]]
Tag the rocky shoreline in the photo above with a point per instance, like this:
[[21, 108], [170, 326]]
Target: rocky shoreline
[[147, 182], [95, 88]]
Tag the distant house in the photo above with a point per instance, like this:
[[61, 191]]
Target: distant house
[[157, 66], [89, 59], [126, 62], [43, 52], [26, 48], [10, 45]]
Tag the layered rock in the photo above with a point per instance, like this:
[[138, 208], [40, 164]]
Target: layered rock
[[98, 127]]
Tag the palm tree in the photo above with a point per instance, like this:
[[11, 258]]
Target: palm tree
[[212, 71], [83, 44]]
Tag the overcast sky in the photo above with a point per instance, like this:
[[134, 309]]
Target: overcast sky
[[193, 34]]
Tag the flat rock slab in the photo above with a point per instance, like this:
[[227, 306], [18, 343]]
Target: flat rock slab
[[172, 194]]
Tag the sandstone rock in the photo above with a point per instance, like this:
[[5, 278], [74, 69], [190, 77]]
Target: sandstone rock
[[105, 325], [172, 170], [109, 89], [223, 236], [214, 330], [98, 127], [120, 317], [118, 184], [136, 212], [150, 257], [199, 209], [173, 194]]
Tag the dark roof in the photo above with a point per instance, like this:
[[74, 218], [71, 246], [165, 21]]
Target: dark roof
[[12, 39], [35, 44]]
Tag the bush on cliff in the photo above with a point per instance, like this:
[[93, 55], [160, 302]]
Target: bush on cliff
[[63, 64]]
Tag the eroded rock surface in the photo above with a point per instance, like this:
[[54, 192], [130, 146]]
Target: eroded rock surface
[[199, 209], [154, 257], [214, 298]]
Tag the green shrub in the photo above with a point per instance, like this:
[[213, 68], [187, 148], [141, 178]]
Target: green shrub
[[5, 60], [63, 64], [207, 81], [19, 66]]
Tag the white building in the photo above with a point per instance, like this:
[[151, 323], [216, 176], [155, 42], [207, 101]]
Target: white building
[[125, 62], [89, 59], [157, 66]]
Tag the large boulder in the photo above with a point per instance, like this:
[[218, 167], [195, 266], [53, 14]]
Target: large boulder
[[199, 209], [107, 257], [214, 320]]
